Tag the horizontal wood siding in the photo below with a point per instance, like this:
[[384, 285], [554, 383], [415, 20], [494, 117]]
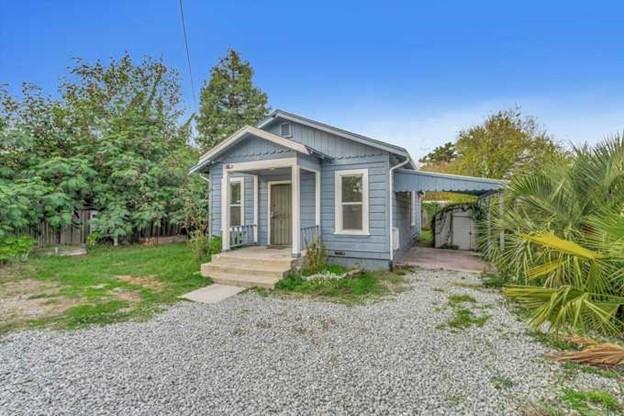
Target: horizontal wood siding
[[374, 245], [337, 147], [401, 217]]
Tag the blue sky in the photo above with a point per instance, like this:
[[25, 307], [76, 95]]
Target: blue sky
[[410, 72]]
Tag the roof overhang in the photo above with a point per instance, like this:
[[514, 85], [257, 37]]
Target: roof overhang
[[406, 180], [249, 131], [284, 115]]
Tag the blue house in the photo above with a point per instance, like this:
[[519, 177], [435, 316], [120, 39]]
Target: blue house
[[288, 180]]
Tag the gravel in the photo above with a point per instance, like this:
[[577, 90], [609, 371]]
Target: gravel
[[256, 355]]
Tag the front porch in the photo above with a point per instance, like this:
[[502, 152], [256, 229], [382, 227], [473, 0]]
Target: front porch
[[285, 199]]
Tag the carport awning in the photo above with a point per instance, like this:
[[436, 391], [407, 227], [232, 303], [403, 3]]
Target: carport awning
[[406, 180]]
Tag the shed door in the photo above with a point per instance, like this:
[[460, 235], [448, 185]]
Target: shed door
[[280, 215]]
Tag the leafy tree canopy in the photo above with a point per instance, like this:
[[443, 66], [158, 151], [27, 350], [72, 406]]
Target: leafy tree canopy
[[111, 141], [229, 101], [505, 144], [443, 154]]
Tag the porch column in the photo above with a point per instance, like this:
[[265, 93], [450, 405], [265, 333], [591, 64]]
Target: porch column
[[317, 208], [296, 223], [225, 211], [255, 208]]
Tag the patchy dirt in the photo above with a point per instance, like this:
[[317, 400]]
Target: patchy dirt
[[128, 296], [150, 282], [27, 299]]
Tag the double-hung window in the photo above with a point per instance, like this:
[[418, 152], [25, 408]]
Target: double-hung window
[[237, 192], [351, 208]]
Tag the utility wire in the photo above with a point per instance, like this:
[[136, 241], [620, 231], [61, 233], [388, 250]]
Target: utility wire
[[188, 55]]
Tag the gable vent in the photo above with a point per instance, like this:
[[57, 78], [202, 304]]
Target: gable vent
[[285, 130]]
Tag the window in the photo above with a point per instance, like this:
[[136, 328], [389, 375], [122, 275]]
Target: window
[[285, 130], [352, 201], [237, 192]]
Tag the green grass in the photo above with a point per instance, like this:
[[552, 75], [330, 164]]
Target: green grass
[[350, 290], [572, 369], [463, 317], [501, 383], [589, 401], [155, 276], [426, 238]]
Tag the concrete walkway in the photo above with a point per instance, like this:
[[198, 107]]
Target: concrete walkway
[[436, 258], [212, 294]]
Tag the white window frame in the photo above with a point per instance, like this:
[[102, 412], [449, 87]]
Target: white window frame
[[242, 199], [289, 134], [338, 201]]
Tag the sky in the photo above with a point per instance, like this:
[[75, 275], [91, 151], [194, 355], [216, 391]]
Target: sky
[[413, 73]]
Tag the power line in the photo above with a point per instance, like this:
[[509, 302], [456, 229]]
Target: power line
[[188, 55]]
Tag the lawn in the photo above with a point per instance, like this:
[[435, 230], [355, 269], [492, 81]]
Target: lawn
[[107, 285], [361, 287]]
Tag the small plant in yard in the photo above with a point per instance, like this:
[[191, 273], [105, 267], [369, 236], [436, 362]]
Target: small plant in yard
[[463, 317], [500, 382], [14, 248], [589, 401], [315, 258]]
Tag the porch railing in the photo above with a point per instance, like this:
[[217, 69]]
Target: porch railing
[[242, 235], [309, 234]]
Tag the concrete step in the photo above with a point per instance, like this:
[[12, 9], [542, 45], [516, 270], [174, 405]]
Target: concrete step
[[244, 281], [230, 260], [244, 268]]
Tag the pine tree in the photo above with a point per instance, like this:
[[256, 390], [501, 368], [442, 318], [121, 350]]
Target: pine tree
[[229, 101]]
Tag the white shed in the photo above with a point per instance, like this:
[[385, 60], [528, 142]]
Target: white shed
[[455, 227]]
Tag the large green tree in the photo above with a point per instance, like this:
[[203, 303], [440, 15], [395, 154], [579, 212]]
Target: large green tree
[[229, 100], [505, 144], [111, 141]]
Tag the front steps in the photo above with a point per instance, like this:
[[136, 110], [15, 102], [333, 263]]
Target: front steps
[[250, 267]]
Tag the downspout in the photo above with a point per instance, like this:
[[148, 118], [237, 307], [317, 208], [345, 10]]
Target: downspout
[[391, 196]]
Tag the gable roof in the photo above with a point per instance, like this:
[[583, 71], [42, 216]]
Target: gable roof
[[248, 131], [391, 148]]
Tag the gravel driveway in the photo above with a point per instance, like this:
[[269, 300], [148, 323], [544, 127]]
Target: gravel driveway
[[257, 355]]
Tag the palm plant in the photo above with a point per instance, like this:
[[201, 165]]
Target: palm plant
[[564, 241]]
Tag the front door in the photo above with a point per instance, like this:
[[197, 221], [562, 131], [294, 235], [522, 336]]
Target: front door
[[280, 215]]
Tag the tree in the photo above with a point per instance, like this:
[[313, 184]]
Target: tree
[[110, 142], [441, 155], [563, 251], [504, 145], [229, 101]]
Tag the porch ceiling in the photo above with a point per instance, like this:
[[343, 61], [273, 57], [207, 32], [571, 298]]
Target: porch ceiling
[[411, 180]]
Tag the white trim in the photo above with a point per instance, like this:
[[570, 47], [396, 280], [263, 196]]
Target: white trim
[[249, 130], [338, 201], [225, 212], [269, 184], [317, 199], [261, 164], [241, 181], [413, 197], [255, 208], [295, 209]]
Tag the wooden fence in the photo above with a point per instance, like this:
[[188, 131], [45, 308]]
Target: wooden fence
[[78, 231]]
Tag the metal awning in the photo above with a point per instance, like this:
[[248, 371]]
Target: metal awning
[[406, 180]]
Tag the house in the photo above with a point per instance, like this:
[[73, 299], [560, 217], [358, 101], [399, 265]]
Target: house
[[291, 179]]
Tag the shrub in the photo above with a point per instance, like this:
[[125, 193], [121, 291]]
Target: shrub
[[200, 244], [15, 248], [315, 258], [215, 244]]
